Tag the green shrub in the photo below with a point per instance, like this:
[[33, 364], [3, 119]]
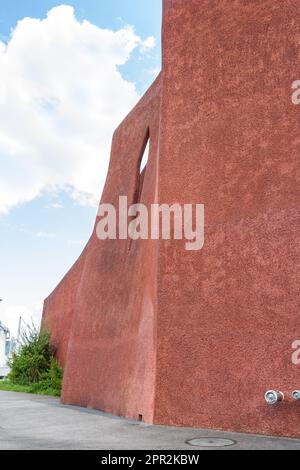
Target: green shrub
[[52, 378], [34, 364]]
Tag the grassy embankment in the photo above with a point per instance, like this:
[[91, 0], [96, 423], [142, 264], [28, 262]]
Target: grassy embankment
[[7, 386]]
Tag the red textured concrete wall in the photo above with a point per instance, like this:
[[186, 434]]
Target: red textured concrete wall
[[227, 315], [196, 338], [111, 351], [59, 309]]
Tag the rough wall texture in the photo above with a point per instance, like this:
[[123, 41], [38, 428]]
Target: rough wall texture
[[104, 312], [196, 338], [59, 309]]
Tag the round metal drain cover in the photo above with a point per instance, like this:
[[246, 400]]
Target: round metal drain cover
[[211, 442]]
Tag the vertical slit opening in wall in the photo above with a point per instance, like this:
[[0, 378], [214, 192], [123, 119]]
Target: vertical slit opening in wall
[[145, 154], [141, 172], [142, 164]]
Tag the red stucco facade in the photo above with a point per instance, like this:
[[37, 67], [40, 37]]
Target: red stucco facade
[[146, 328]]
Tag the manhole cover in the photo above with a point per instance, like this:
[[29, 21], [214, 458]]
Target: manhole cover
[[211, 442]]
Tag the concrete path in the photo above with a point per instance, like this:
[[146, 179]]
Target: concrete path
[[34, 422]]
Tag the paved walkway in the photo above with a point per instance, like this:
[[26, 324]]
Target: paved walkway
[[34, 422]]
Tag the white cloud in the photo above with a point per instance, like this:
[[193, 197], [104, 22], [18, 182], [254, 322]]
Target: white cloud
[[148, 44], [10, 315], [61, 96]]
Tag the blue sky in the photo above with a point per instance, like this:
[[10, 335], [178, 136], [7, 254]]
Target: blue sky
[[64, 86]]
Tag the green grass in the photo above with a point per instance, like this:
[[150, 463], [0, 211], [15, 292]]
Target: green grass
[[36, 389]]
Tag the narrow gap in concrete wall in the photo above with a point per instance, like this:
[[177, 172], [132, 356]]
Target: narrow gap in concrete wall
[[143, 162], [141, 172], [141, 167], [145, 158]]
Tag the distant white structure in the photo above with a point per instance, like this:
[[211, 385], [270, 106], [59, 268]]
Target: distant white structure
[[5, 346]]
